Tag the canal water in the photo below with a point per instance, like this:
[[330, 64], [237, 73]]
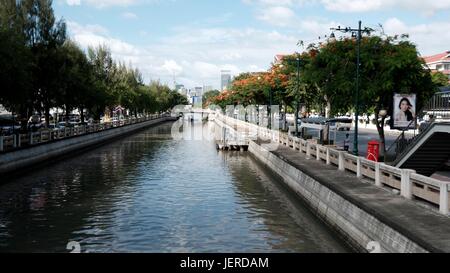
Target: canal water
[[152, 193]]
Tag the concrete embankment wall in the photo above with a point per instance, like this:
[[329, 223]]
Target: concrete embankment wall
[[15, 161], [355, 225]]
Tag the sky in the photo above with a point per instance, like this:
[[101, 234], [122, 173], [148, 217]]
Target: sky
[[190, 41]]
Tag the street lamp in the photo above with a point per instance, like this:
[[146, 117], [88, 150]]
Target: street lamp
[[356, 33], [270, 107], [298, 99], [269, 124], [332, 37]]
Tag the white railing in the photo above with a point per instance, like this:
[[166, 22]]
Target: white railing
[[408, 182], [13, 142]]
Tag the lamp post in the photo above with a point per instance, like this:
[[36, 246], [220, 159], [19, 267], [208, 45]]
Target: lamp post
[[270, 107], [298, 92], [358, 32]]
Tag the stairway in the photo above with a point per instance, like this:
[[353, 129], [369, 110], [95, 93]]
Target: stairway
[[427, 153], [431, 156]]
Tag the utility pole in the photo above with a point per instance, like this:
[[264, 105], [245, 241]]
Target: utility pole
[[270, 108], [298, 99], [358, 33]]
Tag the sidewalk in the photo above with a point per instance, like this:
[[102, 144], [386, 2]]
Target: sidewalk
[[423, 226], [387, 130]]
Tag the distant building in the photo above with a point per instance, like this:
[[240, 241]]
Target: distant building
[[197, 101], [198, 91], [439, 63], [207, 88], [181, 89], [225, 80], [3, 111], [278, 59]]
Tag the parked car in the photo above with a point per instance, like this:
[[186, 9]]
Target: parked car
[[340, 124], [9, 130]]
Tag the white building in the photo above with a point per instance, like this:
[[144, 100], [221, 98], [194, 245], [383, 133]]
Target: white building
[[225, 80], [3, 111], [439, 63], [207, 88]]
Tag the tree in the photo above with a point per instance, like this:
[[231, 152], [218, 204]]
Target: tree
[[45, 36], [208, 96], [103, 69], [177, 99], [41, 69], [75, 80], [15, 72], [440, 79], [16, 60], [388, 65]]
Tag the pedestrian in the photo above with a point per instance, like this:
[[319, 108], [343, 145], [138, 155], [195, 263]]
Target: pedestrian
[[347, 142]]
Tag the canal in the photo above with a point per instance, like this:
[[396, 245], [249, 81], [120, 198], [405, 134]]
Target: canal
[[152, 193]]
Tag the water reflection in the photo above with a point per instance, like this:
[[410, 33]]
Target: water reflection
[[150, 193]]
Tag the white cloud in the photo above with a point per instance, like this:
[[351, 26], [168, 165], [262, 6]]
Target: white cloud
[[194, 57], [103, 3], [348, 6], [172, 67], [271, 2], [431, 38], [73, 2], [79, 29], [278, 16], [355, 5], [94, 35], [424, 7], [129, 15], [316, 27]]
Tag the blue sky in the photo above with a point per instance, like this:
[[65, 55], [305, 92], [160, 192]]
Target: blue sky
[[190, 41]]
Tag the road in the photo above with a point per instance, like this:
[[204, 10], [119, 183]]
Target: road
[[364, 137]]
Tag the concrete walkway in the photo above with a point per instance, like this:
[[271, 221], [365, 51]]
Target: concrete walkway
[[426, 227]]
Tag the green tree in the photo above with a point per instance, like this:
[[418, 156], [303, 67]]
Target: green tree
[[104, 69], [208, 96], [45, 36], [440, 79], [41, 69], [15, 72], [177, 99], [388, 65], [75, 80], [16, 60]]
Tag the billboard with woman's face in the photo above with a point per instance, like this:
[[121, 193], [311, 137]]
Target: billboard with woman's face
[[404, 111]]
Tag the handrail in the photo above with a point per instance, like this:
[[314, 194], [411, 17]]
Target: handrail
[[17, 141], [402, 135], [407, 182], [440, 102], [412, 143]]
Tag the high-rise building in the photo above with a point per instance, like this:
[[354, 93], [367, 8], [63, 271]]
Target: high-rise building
[[181, 89], [207, 88], [198, 91], [3, 110], [225, 80]]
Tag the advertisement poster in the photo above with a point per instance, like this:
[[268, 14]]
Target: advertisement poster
[[405, 111]]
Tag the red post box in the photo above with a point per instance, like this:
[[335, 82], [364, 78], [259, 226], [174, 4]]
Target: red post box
[[373, 151]]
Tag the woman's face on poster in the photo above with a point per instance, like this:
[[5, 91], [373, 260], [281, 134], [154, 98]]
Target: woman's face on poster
[[404, 106]]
